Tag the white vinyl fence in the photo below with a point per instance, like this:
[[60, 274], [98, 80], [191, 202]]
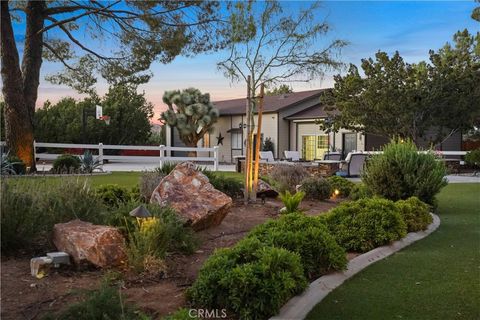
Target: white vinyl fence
[[164, 153]]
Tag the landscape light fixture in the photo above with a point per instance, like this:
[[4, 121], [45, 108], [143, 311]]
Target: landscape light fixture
[[140, 212]]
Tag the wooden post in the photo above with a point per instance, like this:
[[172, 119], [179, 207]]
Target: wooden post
[[247, 149], [258, 142]]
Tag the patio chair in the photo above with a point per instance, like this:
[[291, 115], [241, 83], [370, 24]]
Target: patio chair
[[332, 156], [267, 156], [292, 155], [353, 165]]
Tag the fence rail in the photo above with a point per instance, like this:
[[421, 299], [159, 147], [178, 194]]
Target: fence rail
[[162, 157]]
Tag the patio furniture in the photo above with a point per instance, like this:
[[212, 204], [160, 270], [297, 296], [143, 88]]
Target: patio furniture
[[332, 156], [267, 156], [353, 164], [292, 155]]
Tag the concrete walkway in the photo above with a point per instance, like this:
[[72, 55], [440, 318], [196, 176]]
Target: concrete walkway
[[450, 178], [298, 307]]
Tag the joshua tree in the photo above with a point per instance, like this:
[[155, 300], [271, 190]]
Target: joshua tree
[[193, 114]]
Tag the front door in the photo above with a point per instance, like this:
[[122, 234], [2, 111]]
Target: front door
[[349, 143], [314, 146]]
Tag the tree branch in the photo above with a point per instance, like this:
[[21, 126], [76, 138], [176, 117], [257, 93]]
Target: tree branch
[[46, 45]]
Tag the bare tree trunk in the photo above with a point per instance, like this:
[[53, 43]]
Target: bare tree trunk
[[18, 132]]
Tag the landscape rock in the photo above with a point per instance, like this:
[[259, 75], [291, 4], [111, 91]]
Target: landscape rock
[[264, 189], [196, 201], [102, 246]]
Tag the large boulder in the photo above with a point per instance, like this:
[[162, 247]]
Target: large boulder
[[102, 246], [265, 190], [196, 201]]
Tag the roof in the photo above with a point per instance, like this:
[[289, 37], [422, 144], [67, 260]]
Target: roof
[[271, 103], [314, 112]]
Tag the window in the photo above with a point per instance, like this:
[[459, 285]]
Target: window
[[237, 140], [314, 146]]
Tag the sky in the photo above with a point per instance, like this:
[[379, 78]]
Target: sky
[[411, 27]]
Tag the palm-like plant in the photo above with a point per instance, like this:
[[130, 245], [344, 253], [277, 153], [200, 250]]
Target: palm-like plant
[[291, 201], [89, 163], [7, 166]]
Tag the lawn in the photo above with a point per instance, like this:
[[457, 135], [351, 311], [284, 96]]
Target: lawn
[[127, 179], [435, 278]]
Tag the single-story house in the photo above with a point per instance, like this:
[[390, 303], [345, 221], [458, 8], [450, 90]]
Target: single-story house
[[289, 120]]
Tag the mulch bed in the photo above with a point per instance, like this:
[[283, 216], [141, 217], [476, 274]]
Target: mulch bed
[[24, 297]]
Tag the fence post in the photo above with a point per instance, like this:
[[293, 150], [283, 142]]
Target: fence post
[[216, 156], [162, 155], [100, 153]]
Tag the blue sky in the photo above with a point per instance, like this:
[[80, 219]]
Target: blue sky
[[410, 27]]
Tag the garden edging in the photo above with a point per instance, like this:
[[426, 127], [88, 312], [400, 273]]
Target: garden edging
[[299, 306]]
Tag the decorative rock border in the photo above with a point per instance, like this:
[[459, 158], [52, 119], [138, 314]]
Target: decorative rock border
[[299, 306]]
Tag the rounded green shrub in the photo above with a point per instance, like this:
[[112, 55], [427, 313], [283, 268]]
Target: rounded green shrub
[[402, 172], [472, 158], [113, 195], [415, 213], [341, 184], [360, 191], [249, 280], [316, 188], [66, 163], [365, 224], [308, 237]]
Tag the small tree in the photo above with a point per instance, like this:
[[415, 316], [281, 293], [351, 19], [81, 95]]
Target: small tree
[[193, 114], [282, 89]]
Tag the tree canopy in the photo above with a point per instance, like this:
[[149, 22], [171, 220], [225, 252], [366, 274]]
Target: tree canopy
[[114, 40], [395, 98], [281, 89], [191, 112], [129, 112]]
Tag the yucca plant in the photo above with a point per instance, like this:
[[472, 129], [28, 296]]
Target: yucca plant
[[7, 166], [291, 201], [89, 163]]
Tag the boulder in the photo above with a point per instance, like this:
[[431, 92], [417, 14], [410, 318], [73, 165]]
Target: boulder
[[196, 201], [102, 246], [265, 190]]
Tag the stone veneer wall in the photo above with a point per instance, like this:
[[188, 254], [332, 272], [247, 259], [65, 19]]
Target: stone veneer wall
[[315, 169]]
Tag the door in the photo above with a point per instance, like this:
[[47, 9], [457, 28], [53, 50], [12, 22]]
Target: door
[[349, 143], [314, 146]]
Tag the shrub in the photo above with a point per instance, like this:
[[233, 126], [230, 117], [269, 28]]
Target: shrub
[[365, 224], [88, 163], [287, 177], [316, 188], [66, 163], [360, 191], [415, 213], [104, 303], [166, 168], [175, 236], [17, 164], [401, 172], [31, 207], [228, 185], [291, 201], [249, 279], [112, 194], [11, 164], [180, 314], [308, 237], [149, 180], [472, 158], [268, 145], [341, 184]]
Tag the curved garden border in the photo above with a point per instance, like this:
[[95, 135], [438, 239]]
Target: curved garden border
[[299, 306]]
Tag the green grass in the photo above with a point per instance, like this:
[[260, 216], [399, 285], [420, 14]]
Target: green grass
[[435, 278], [126, 179]]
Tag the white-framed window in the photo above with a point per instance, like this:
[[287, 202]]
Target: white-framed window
[[236, 140]]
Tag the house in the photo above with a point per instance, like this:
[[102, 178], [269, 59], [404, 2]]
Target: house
[[289, 120]]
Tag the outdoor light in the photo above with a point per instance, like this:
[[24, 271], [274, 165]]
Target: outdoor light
[[336, 192], [140, 212]]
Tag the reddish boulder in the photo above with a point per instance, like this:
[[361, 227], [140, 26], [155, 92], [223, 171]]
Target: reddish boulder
[[102, 246], [196, 201]]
